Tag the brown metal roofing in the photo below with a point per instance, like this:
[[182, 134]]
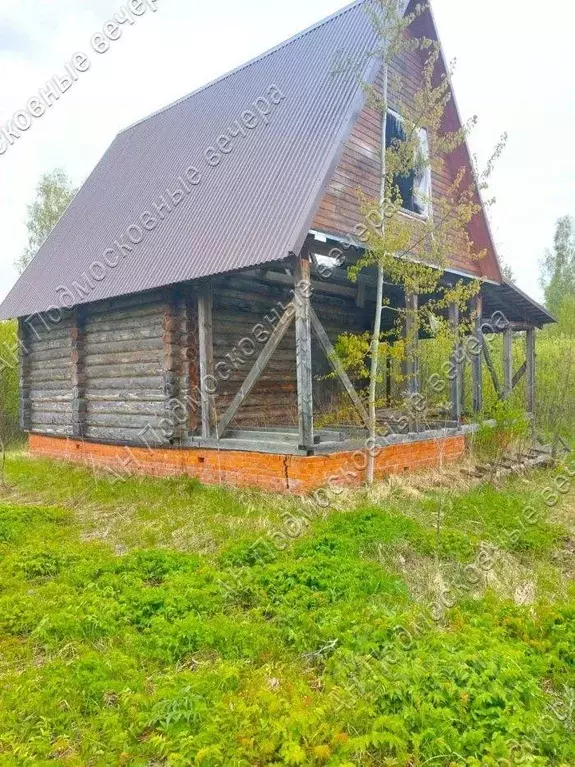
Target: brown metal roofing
[[516, 305], [256, 206]]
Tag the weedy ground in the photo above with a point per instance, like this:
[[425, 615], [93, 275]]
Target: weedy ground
[[143, 622]]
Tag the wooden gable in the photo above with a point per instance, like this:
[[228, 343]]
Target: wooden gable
[[359, 168]]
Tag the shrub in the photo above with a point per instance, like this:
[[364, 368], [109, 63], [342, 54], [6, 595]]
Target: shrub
[[9, 429]]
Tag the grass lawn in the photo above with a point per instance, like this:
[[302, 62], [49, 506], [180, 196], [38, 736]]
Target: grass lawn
[[147, 622]]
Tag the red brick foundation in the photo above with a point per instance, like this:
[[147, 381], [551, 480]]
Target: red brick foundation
[[278, 473]]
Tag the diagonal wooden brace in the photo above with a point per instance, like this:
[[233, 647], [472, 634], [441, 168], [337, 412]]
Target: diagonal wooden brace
[[338, 367], [258, 368]]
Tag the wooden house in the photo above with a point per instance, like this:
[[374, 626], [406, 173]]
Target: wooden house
[[179, 318]]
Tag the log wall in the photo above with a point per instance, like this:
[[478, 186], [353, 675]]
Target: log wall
[[46, 395], [114, 371], [242, 304], [124, 368]]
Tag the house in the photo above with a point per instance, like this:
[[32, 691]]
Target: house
[[178, 318]]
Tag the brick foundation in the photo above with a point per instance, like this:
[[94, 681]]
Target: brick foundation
[[278, 473]]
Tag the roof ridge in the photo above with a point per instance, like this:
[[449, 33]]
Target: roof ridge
[[247, 64]]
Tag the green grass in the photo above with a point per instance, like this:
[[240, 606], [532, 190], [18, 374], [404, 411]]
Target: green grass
[[143, 622]]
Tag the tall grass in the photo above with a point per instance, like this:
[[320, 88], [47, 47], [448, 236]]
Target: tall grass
[[556, 382], [555, 379]]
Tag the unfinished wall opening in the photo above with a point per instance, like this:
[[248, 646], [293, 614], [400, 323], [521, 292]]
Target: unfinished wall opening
[[414, 187]]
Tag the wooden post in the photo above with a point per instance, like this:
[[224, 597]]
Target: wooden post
[[507, 362], [477, 356], [302, 276], [24, 346], [463, 380], [206, 350], [411, 366], [192, 363], [78, 335], [530, 369], [456, 360], [388, 380], [173, 369]]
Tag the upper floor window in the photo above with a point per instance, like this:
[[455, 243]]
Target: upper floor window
[[414, 187]]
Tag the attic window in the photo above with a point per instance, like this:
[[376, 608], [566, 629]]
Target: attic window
[[414, 188]]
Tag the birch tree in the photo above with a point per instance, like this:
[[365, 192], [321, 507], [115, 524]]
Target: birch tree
[[409, 241], [53, 195]]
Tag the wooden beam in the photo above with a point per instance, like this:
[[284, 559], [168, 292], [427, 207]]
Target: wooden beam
[[78, 380], [337, 366], [330, 287], [411, 332], [258, 368], [174, 356], [388, 379], [24, 372], [456, 360], [463, 379], [192, 360], [519, 375], [206, 350], [530, 369], [302, 301], [491, 367], [334, 248], [507, 362], [477, 356], [520, 327]]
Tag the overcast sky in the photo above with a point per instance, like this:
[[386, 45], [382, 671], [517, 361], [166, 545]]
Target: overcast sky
[[514, 70]]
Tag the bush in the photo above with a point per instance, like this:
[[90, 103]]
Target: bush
[[9, 428]]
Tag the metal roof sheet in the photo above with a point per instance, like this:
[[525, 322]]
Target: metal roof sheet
[[516, 305], [255, 207]]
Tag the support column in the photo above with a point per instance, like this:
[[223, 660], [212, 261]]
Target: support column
[[411, 366], [507, 361], [24, 347], [78, 334], [477, 355], [206, 349], [192, 363], [302, 277], [173, 369], [388, 380], [530, 357], [456, 365]]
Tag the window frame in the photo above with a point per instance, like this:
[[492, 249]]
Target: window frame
[[429, 176]]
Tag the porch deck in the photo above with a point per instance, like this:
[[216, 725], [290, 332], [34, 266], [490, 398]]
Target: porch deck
[[285, 440]]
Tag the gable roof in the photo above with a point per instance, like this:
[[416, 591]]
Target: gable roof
[[255, 207]]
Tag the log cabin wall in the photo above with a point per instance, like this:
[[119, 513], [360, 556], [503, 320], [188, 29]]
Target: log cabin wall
[[243, 303], [135, 355], [242, 307], [46, 394], [340, 211], [124, 367]]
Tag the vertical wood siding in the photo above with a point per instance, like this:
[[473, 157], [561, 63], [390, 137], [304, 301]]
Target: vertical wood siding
[[359, 168]]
